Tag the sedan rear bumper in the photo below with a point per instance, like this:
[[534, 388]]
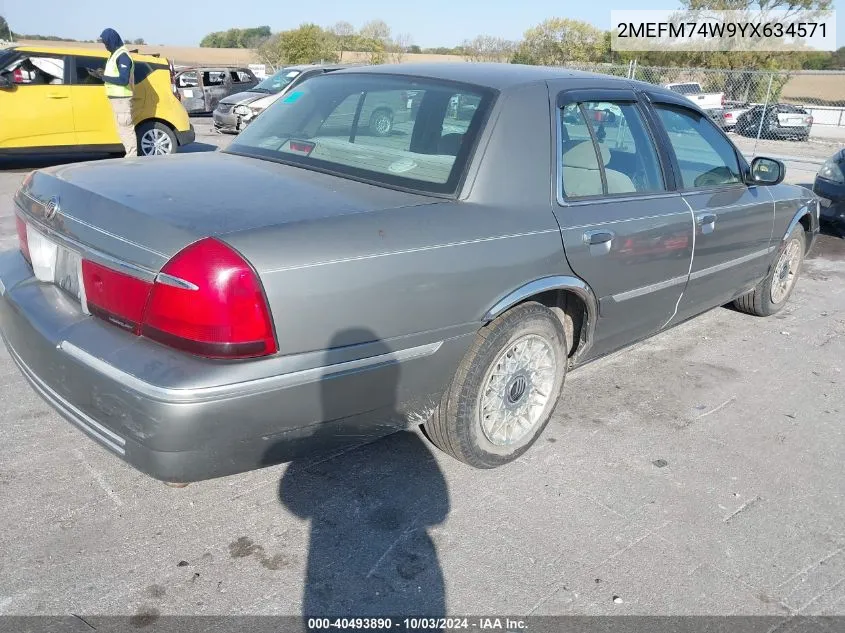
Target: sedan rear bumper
[[135, 397]]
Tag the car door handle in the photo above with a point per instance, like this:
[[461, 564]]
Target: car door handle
[[707, 222], [594, 238], [56, 95], [599, 242]]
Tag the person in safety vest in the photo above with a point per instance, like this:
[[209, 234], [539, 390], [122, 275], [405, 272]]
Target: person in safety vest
[[119, 80]]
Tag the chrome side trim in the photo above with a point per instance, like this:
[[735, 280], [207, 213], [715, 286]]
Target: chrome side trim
[[246, 388], [623, 220], [561, 282], [644, 290], [756, 203], [410, 250], [730, 263], [170, 280], [79, 419]]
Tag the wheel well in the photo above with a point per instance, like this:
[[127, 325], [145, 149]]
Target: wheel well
[[805, 222], [572, 312], [155, 120]]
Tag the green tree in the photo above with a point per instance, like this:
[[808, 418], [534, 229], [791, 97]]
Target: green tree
[[837, 60], [237, 38], [557, 41], [303, 45], [5, 29], [375, 40], [344, 37], [487, 48]]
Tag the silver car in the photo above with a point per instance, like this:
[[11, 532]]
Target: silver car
[[335, 284], [234, 112]]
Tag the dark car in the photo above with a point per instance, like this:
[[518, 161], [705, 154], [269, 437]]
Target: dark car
[[830, 187], [201, 89], [780, 121], [340, 284]]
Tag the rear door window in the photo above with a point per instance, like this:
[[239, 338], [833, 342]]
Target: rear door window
[[606, 149]]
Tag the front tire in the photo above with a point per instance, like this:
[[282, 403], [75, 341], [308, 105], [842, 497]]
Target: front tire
[[156, 139], [771, 294], [505, 389]]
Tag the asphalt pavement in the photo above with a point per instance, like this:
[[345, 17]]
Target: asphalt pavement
[[697, 473]]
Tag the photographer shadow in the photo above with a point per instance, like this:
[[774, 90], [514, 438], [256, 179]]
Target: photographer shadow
[[370, 507]]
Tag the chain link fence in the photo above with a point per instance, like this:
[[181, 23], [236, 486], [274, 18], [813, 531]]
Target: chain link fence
[[798, 107]]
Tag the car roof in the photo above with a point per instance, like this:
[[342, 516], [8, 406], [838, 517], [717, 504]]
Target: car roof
[[83, 52], [499, 76], [205, 69], [312, 66]]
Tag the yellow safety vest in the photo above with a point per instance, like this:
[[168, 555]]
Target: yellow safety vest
[[113, 90]]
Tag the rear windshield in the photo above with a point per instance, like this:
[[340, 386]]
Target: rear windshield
[[686, 89], [399, 131]]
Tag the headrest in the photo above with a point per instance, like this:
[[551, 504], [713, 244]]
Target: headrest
[[583, 155]]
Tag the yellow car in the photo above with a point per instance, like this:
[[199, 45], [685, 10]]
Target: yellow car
[[50, 102]]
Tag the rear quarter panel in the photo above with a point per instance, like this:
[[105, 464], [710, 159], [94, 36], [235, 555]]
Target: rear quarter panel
[[155, 100], [426, 272]]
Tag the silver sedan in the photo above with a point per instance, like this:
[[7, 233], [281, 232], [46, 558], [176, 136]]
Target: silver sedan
[[337, 278]]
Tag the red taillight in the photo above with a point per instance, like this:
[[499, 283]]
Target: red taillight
[[114, 296], [17, 76], [220, 312], [302, 147], [23, 241]]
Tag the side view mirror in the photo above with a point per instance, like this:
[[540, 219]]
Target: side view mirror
[[6, 81], [766, 171]]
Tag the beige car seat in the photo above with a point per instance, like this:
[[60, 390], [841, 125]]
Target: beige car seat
[[581, 175]]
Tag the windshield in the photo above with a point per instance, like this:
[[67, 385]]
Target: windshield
[[275, 83], [401, 131]]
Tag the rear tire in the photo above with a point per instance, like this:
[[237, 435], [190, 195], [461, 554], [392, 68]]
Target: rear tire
[[505, 389], [156, 139], [771, 294], [381, 122]]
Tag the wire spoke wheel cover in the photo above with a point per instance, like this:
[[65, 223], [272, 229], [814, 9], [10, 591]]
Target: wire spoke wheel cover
[[155, 142], [786, 271], [516, 389]]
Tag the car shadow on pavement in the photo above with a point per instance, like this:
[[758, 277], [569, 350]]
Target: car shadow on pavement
[[197, 146], [370, 508]]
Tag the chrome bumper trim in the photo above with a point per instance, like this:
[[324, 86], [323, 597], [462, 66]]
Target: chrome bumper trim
[[96, 430], [246, 388]]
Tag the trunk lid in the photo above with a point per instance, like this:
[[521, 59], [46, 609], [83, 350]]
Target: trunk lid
[[143, 211]]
